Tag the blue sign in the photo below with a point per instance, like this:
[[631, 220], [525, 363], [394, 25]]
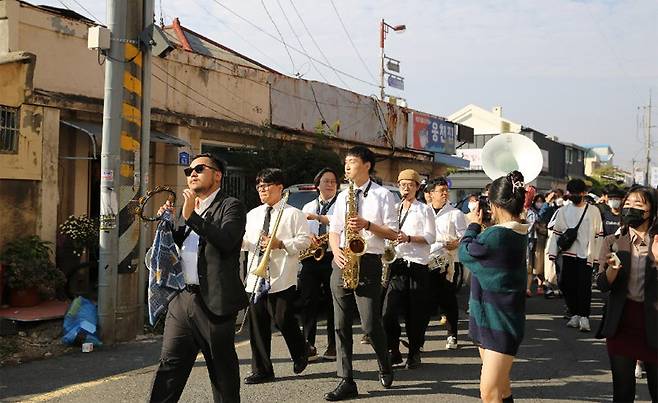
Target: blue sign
[[434, 134], [183, 158]]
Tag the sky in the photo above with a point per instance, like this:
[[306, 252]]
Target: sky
[[580, 70]]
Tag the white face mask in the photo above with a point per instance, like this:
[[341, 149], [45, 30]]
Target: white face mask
[[472, 205], [559, 201], [614, 203]]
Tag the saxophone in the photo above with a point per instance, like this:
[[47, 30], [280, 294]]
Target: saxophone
[[355, 245], [316, 250]]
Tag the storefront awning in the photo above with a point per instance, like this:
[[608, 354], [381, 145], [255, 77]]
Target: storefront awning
[[451, 160], [95, 132]]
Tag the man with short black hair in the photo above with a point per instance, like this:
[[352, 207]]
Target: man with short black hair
[[273, 297], [575, 278], [202, 316], [375, 221]]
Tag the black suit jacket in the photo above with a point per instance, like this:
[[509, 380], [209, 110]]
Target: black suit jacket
[[220, 238], [619, 288]]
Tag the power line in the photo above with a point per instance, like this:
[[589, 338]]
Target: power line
[[351, 41], [236, 33], [285, 45], [326, 59], [87, 11], [202, 95], [292, 47]]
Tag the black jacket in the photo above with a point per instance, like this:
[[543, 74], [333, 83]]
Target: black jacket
[[220, 238], [619, 288]]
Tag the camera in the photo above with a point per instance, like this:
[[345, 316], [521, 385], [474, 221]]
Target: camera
[[483, 205]]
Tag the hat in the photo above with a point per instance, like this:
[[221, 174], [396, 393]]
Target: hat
[[616, 193], [410, 175]]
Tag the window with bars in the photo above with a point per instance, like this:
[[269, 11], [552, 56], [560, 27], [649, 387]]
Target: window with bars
[[8, 130]]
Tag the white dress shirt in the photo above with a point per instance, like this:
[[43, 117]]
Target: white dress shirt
[[312, 208], [284, 263], [378, 207], [450, 225], [190, 250], [419, 222]]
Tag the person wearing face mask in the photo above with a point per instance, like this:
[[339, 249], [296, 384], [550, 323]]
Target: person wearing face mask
[[611, 214], [629, 273], [578, 258], [472, 205], [537, 235]]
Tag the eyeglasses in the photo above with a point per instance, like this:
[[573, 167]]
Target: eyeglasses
[[263, 186], [406, 185], [198, 169]]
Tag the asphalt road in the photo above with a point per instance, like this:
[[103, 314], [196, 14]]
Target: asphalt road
[[554, 364]]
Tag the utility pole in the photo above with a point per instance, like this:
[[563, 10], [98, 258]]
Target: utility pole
[[121, 172], [647, 173]]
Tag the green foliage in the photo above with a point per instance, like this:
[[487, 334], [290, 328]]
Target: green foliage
[[604, 176], [27, 264]]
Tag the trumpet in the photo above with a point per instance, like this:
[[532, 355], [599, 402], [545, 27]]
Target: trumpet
[[316, 250]]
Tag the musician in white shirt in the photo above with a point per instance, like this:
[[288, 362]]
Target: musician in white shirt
[[314, 278], [275, 304], [450, 227], [375, 221], [408, 285]]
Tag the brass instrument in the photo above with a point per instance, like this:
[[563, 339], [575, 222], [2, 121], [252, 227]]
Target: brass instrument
[[316, 250], [441, 262], [355, 245], [388, 257], [261, 270]]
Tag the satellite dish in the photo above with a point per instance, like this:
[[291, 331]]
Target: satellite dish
[[511, 151]]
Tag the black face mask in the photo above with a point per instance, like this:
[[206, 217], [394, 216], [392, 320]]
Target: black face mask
[[576, 199], [632, 217]]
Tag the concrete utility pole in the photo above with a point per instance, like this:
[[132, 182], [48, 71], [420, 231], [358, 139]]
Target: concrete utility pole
[[121, 172], [647, 173]]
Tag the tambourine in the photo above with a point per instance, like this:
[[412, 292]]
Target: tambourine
[[144, 199]]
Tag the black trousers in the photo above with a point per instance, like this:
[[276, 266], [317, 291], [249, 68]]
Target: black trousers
[[407, 294], [190, 327], [623, 379], [576, 285], [279, 307], [315, 296], [444, 295], [367, 299]]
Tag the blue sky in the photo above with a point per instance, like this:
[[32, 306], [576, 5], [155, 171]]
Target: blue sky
[[577, 70]]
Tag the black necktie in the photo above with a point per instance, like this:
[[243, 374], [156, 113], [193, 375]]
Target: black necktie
[[357, 200], [323, 211], [266, 224]]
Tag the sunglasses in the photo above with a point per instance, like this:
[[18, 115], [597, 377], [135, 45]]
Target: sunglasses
[[198, 169]]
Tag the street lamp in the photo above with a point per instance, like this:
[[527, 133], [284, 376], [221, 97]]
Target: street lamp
[[383, 30]]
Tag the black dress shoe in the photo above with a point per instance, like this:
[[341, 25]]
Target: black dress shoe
[[346, 389], [258, 378], [386, 379], [300, 364], [396, 357], [413, 360]]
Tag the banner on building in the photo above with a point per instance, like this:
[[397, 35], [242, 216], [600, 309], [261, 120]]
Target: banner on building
[[474, 155], [432, 133], [654, 177]]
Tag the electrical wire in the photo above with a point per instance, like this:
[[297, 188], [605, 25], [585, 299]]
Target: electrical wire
[[285, 45], [351, 41], [326, 59], [205, 97], [292, 47], [87, 11]]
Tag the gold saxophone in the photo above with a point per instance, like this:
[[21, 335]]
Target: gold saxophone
[[355, 245], [317, 249], [261, 270], [388, 257]]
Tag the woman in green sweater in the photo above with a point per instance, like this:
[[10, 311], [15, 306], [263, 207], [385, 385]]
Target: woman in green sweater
[[497, 260]]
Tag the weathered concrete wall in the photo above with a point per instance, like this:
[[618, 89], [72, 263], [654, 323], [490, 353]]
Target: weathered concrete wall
[[16, 72], [302, 105], [9, 10], [19, 199], [26, 164]]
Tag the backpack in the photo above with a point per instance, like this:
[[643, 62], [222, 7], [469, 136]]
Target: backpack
[[568, 237]]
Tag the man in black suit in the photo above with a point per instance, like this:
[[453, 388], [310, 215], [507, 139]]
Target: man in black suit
[[202, 316]]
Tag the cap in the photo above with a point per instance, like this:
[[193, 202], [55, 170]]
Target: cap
[[410, 175]]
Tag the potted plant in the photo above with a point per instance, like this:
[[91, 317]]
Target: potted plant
[[77, 237], [78, 234], [29, 270]]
